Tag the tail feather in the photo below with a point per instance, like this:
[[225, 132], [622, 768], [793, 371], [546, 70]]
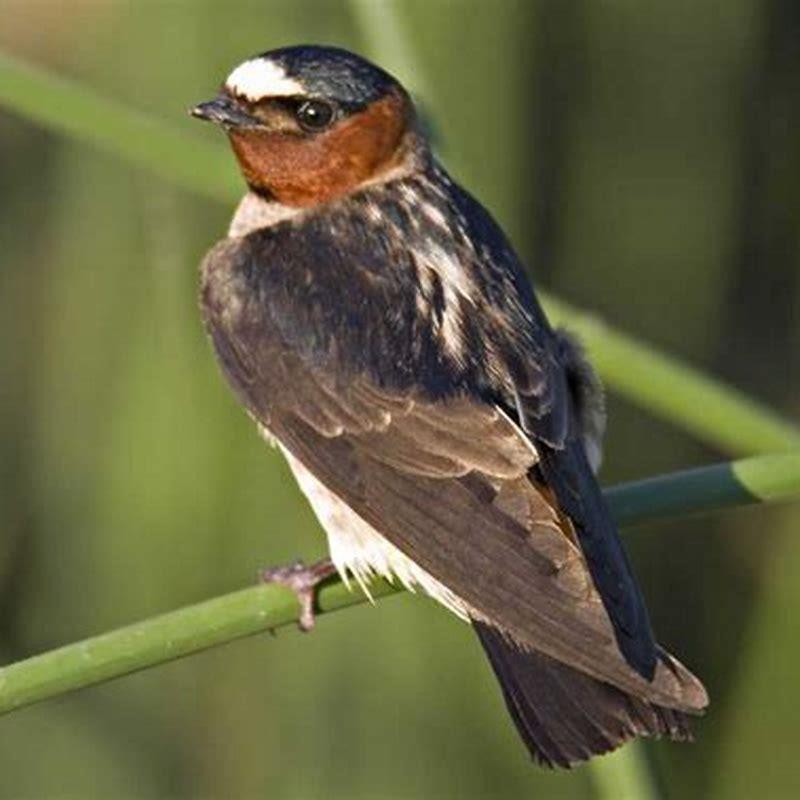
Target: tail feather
[[565, 716]]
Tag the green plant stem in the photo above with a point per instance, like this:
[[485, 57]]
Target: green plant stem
[[760, 479], [623, 775], [674, 391], [161, 639], [68, 108], [260, 608]]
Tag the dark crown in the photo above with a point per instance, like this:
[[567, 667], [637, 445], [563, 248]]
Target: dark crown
[[333, 73]]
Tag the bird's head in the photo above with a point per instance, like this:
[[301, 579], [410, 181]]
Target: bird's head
[[309, 124]]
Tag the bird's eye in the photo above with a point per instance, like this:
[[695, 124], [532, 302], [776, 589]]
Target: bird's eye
[[314, 115]]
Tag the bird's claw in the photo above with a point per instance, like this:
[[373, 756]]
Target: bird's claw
[[303, 581]]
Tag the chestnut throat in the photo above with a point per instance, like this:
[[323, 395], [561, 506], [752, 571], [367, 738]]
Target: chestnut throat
[[302, 171]]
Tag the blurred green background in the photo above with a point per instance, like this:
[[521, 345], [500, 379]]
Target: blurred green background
[[645, 158]]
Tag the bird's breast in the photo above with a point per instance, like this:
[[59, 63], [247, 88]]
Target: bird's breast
[[256, 213]]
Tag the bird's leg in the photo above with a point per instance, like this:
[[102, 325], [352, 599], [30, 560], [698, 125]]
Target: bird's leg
[[303, 581]]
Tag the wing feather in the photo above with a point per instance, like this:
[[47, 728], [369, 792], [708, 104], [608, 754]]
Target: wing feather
[[527, 580], [451, 482]]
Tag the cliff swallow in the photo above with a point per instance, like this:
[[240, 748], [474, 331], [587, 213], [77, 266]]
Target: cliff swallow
[[378, 326]]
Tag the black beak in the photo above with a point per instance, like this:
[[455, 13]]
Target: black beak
[[224, 110]]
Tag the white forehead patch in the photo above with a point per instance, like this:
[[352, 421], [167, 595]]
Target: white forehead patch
[[260, 78]]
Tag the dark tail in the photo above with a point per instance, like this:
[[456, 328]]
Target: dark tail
[[565, 716]]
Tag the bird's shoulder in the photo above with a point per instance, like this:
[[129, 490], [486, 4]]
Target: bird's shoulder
[[410, 282]]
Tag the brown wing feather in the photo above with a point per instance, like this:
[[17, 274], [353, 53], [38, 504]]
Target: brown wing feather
[[530, 582], [447, 483]]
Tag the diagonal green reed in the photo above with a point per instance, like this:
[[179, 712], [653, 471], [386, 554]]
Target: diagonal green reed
[[675, 391], [71, 109]]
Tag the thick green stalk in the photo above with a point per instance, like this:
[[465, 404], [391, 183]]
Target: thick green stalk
[[161, 639], [260, 608], [760, 479], [623, 775], [716, 413], [719, 414]]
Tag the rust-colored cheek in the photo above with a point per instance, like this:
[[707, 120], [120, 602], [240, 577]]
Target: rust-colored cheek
[[306, 170]]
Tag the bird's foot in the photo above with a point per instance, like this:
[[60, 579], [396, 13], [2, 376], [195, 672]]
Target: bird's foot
[[303, 581]]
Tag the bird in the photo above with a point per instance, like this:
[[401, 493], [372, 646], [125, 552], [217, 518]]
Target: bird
[[380, 329]]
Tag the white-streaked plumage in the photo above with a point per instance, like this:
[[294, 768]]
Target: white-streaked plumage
[[260, 78], [255, 212], [457, 286]]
